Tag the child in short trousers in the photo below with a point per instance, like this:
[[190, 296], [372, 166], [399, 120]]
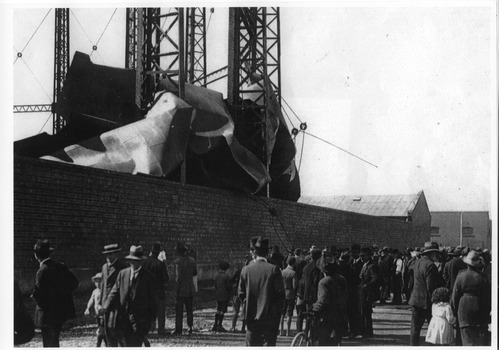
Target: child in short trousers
[[95, 302], [223, 287]]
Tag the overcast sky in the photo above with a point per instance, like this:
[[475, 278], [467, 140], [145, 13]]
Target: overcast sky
[[410, 89]]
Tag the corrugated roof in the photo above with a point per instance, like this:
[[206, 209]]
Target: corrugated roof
[[382, 205]]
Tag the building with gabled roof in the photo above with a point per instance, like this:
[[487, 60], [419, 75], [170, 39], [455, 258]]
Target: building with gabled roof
[[409, 207]]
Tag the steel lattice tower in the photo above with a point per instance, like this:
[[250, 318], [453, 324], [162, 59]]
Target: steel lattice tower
[[61, 62], [155, 49], [196, 45]]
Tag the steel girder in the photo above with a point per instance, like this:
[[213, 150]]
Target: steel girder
[[254, 54], [155, 49], [33, 108], [196, 45], [61, 61]]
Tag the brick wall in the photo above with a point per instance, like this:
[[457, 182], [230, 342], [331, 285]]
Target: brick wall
[[81, 209]]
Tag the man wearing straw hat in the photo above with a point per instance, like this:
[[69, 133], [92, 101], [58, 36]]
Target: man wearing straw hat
[[426, 280], [133, 298], [110, 271]]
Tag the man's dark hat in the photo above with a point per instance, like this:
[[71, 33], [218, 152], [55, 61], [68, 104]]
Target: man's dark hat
[[156, 247], [330, 266], [365, 251], [136, 253], [181, 247], [258, 242], [345, 256], [395, 251], [291, 260], [42, 245], [111, 248], [431, 247], [355, 248]]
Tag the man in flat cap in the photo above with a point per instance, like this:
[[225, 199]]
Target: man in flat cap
[[262, 288], [132, 297], [54, 285], [110, 270], [426, 280]]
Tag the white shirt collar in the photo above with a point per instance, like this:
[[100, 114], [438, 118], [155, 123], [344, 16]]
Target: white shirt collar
[[43, 261], [260, 258]]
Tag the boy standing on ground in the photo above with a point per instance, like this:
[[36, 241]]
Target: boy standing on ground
[[223, 287], [290, 280]]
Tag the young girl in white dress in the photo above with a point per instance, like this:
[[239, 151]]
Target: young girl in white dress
[[440, 330]]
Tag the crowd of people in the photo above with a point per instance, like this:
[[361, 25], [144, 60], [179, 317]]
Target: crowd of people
[[331, 289]]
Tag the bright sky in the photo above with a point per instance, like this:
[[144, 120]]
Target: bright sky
[[409, 88]]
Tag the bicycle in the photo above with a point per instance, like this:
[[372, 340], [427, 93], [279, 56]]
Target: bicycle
[[307, 337]]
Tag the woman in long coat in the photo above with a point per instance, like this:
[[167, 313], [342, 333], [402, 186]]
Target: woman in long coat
[[471, 301]]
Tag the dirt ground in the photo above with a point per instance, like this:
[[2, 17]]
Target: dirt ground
[[391, 327]]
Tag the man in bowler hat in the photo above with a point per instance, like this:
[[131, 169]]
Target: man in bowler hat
[[54, 285], [132, 296], [262, 288], [426, 280]]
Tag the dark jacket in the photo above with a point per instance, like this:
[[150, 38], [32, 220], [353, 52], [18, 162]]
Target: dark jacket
[[185, 269], [471, 299], [109, 275], [262, 288], [135, 307], [54, 285], [158, 270], [223, 286], [311, 277], [331, 304], [369, 282], [451, 269], [426, 280]]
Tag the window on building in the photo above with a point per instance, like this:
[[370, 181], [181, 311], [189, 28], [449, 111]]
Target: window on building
[[467, 231], [435, 231]]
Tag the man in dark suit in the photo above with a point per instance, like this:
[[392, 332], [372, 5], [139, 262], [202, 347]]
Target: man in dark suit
[[262, 288], [158, 269], [310, 277], [426, 280], [132, 296], [110, 272], [54, 285], [185, 274], [331, 305], [368, 291]]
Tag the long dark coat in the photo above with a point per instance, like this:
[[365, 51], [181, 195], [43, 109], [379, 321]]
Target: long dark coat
[[135, 307], [54, 285], [369, 282], [426, 280], [451, 269], [311, 277], [262, 287], [331, 304], [471, 299]]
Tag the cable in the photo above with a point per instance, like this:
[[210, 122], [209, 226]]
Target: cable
[[286, 114], [301, 152], [212, 10], [296, 115], [50, 116], [38, 81], [43, 20], [84, 32], [97, 43], [344, 150]]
